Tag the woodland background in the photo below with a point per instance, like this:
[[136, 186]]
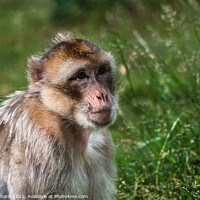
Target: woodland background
[[156, 44]]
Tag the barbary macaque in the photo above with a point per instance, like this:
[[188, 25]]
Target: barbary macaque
[[53, 136]]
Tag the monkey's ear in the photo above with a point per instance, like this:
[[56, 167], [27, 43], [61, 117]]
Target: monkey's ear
[[35, 70]]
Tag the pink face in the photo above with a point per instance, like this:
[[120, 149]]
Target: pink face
[[94, 85]]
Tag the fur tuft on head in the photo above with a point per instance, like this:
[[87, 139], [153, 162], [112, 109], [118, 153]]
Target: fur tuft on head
[[62, 37]]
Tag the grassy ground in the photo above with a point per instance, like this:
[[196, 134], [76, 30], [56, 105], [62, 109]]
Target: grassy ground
[[157, 132]]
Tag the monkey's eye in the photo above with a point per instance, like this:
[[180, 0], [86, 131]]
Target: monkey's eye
[[102, 70], [81, 75]]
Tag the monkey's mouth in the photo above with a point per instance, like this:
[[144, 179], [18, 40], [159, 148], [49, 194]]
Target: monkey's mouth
[[100, 117]]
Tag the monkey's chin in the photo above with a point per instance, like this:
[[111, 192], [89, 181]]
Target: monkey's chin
[[100, 118], [95, 120]]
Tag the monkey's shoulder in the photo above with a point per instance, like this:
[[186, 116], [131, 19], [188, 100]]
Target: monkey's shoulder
[[12, 109]]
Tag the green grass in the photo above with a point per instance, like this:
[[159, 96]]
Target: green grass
[[157, 132]]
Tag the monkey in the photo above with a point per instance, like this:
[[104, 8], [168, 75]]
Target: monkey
[[54, 137]]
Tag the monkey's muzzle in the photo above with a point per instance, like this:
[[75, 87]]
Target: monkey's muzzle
[[101, 117]]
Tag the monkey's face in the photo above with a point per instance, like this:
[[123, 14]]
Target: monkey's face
[[94, 86], [79, 86], [83, 91]]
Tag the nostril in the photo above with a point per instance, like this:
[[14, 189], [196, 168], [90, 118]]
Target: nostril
[[102, 95], [106, 97], [98, 97]]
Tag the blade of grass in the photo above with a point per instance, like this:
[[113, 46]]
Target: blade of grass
[[163, 149]]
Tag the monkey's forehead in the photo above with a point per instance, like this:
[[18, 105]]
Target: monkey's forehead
[[72, 66], [74, 48], [63, 71]]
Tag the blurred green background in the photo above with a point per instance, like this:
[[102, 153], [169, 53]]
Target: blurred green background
[[156, 45]]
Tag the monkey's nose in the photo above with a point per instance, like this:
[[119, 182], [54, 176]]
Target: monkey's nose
[[102, 97]]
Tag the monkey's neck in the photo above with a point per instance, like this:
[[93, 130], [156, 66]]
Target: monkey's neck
[[61, 130], [74, 133]]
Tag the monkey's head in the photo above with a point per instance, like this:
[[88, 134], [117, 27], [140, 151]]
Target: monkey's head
[[75, 80]]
